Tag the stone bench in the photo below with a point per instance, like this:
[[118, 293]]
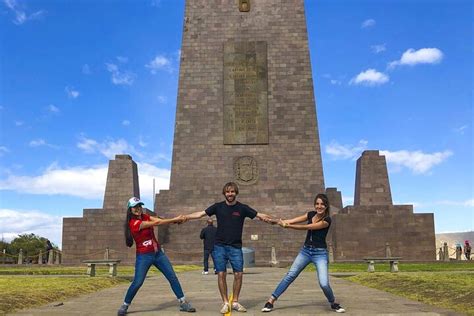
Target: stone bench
[[112, 263], [393, 263]]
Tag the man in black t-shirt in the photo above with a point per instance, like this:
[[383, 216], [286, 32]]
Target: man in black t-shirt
[[230, 216]]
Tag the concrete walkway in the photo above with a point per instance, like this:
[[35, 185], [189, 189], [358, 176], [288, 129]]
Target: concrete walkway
[[304, 297]]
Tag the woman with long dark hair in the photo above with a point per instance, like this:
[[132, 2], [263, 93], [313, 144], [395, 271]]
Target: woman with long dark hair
[[139, 228], [314, 250]]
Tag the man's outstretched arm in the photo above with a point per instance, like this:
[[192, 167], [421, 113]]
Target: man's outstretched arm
[[195, 215], [266, 218]]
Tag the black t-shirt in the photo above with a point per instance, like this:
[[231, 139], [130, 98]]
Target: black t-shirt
[[230, 221], [317, 238], [208, 235]]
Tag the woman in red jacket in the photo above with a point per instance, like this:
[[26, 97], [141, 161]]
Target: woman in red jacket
[[139, 228]]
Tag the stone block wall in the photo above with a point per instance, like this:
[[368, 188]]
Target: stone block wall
[[360, 232]]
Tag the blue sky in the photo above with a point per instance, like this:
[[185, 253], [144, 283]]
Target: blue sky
[[81, 81]]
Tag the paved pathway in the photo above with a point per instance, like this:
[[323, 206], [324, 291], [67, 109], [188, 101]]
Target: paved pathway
[[304, 297]]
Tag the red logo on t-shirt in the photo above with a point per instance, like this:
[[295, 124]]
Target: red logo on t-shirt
[[236, 213]]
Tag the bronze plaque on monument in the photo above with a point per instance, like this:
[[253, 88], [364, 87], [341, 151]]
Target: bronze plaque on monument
[[245, 93]]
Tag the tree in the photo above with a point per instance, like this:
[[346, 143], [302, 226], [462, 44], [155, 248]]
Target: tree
[[30, 243]]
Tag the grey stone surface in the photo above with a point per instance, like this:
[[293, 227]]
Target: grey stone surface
[[303, 297]]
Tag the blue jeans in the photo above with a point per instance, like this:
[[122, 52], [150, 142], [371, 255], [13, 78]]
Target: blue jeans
[[208, 252], [319, 257], [143, 264], [224, 253]]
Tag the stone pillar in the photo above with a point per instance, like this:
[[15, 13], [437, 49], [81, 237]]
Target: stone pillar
[[4, 256], [331, 253], [372, 185], [274, 261], [20, 257], [335, 199], [50, 257], [388, 252], [446, 251], [440, 254], [40, 258], [58, 258], [122, 180], [106, 254]]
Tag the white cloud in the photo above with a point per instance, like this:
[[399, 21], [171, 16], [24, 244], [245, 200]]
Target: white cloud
[[158, 63], [370, 77], [71, 93], [19, 123], [87, 145], [3, 150], [120, 77], [461, 129], [122, 59], [125, 122], [86, 70], [109, 148], [53, 109], [41, 142], [142, 143], [378, 48], [21, 16], [467, 203], [37, 142], [417, 161], [30, 221], [83, 182], [346, 151], [149, 172], [162, 99], [368, 23], [413, 57]]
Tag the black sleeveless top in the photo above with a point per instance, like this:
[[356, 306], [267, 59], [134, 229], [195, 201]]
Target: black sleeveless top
[[317, 238]]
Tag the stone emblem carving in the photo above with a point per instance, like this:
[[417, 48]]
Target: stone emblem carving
[[245, 170], [244, 5]]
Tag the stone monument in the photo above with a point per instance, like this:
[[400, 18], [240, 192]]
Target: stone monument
[[245, 113], [365, 229]]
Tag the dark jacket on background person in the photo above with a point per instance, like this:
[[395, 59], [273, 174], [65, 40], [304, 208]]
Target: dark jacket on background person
[[208, 235]]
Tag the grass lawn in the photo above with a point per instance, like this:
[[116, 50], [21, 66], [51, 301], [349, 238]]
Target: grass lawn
[[20, 292], [122, 270], [24, 287], [452, 290]]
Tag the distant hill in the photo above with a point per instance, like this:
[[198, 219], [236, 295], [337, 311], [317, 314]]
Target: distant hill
[[452, 239]]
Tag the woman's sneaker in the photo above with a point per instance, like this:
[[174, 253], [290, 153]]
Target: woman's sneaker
[[268, 307], [186, 307], [337, 308], [123, 310]]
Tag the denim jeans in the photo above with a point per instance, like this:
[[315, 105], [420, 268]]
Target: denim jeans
[[208, 252], [225, 253], [143, 264], [319, 257]]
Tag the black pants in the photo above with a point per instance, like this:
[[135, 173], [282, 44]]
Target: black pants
[[208, 252]]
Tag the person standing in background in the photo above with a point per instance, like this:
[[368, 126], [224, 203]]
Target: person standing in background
[[208, 236]]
